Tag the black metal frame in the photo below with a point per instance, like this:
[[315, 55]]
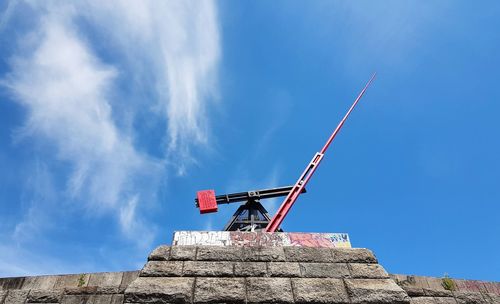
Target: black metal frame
[[251, 216]]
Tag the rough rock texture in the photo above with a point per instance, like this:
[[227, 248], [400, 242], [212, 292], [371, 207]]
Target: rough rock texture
[[95, 288], [428, 290], [232, 274]]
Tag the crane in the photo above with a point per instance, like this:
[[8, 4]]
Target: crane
[[252, 215]]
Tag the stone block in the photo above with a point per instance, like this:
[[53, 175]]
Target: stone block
[[3, 293], [445, 300], [367, 271], [105, 279], [375, 291], [208, 269], [75, 299], [436, 288], [413, 281], [183, 253], [110, 289], [85, 290], [160, 290], [160, 253], [40, 282], [11, 283], [492, 287], [491, 298], [162, 269], [263, 254], [422, 300], [250, 269], [16, 296], [319, 290], [324, 270], [269, 290], [219, 290], [117, 299], [353, 255], [217, 253], [44, 296], [100, 299], [470, 285], [414, 291], [72, 280], [128, 277], [308, 254], [283, 269], [468, 297]]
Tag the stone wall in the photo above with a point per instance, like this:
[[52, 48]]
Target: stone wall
[[429, 290], [98, 288], [215, 274]]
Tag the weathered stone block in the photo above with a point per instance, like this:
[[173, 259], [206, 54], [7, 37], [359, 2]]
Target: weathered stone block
[[129, 277], [110, 289], [470, 285], [160, 290], [217, 253], [367, 271], [324, 270], [75, 299], [100, 299], [319, 291], [219, 290], [491, 298], [44, 296], [447, 300], [162, 269], [269, 290], [413, 281], [105, 279], [72, 280], [436, 288], [160, 253], [353, 255], [264, 254], [41, 282], [11, 283], [422, 300], [308, 254], [492, 287], [208, 268], [80, 290], [183, 253], [117, 299], [16, 296], [414, 291], [283, 269], [250, 269], [3, 293], [375, 291], [467, 297]]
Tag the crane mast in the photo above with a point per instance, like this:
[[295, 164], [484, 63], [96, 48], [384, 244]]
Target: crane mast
[[296, 190]]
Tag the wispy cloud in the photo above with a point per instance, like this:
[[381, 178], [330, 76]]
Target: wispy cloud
[[75, 92]]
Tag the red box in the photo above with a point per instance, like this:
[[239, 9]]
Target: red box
[[206, 201]]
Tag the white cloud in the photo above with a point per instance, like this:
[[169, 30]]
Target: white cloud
[[179, 41], [69, 86]]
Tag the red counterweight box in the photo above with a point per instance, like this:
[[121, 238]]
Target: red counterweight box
[[206, 201]]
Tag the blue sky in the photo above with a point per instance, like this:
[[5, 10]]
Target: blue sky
[[113, 116]]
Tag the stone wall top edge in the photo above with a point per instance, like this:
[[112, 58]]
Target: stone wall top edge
[[69, 274], [416, 276]]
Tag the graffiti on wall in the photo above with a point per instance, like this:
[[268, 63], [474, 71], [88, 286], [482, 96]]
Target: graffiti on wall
[[214, 238], [240, 238]]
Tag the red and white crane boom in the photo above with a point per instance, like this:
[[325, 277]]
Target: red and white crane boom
[[309, 171]]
